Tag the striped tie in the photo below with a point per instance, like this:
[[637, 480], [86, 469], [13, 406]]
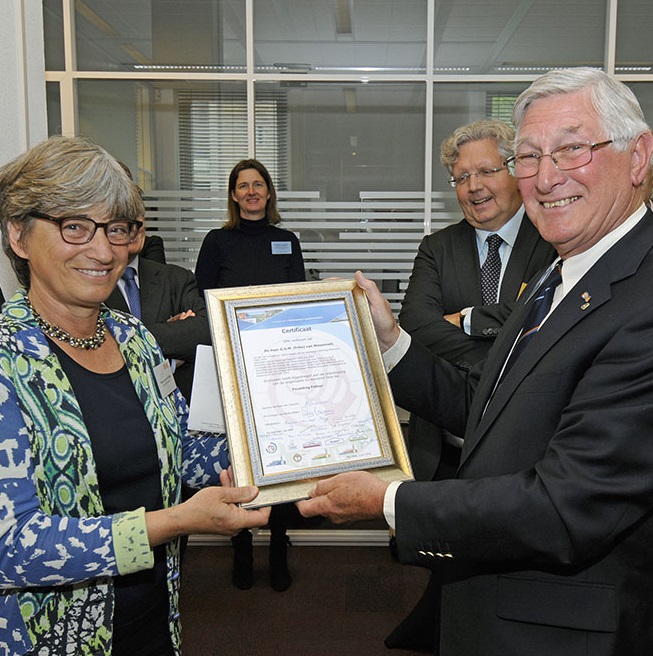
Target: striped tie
[[536, 315]]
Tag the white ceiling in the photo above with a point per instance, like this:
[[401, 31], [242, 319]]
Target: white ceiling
[[476, 36]]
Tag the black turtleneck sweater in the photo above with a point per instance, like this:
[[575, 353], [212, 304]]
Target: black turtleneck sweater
[[255, 253]]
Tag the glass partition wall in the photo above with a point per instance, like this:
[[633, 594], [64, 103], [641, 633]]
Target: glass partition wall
[[345, 101]]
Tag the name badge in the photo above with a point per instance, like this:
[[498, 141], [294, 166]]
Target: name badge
[[164, 378], [281, 248]]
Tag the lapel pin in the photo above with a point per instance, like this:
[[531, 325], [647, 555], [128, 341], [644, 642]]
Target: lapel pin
[[586, 297]]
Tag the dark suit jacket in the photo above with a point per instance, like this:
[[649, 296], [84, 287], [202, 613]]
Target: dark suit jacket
[[166, 290], [445, 279], [153, 249], [545, 538]]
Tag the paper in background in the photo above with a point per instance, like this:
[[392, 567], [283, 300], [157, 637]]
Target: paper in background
[[206, 412]]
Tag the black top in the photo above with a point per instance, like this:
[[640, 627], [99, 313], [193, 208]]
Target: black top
[[255, 253], [129, 477]]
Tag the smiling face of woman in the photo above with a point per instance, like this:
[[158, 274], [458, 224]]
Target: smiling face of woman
[[68, 277], [251, 194]]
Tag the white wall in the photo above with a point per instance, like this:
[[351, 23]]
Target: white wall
[[22, 99]]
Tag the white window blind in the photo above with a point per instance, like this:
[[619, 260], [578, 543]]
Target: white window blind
[[500, 106], [213, 136]]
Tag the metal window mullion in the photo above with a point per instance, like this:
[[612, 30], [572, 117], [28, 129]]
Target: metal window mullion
[[68, 84], [428, 118], [610, 54], [249, 38]]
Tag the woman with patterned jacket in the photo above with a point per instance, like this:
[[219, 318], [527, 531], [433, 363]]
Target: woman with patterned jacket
[[93, 435]]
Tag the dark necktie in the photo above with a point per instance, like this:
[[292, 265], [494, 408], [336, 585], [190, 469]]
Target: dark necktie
[[491, 270], [536, 315], [132, 292]]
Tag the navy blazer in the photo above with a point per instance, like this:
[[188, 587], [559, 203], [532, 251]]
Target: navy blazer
[[545, 538], [445, 279]]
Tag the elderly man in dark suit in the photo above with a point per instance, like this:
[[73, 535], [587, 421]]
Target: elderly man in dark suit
[[478, 266], [170, 306], [544, 537]]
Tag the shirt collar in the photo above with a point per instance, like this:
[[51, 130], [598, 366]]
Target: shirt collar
[[508, 231], [576, 266]]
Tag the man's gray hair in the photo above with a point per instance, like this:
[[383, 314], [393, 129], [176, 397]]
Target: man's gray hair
[[620, 114], [488, 128]]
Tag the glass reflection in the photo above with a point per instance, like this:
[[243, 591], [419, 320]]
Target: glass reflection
[[123, 35], [517, 36]]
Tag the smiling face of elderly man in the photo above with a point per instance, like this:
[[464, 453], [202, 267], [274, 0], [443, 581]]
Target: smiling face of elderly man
[[573, 209]]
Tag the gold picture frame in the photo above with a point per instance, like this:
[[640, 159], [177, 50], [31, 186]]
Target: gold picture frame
[[304, 391]]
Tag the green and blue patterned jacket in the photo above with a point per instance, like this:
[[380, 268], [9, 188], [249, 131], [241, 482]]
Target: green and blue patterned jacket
[[58, 550]]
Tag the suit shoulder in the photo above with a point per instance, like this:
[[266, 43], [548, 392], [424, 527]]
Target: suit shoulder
[[455, 231], [527, 228], [165, 270]]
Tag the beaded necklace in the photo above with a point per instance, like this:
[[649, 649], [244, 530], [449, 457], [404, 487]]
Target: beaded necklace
[[86, 343]]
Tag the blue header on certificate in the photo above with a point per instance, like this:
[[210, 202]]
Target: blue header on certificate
[[296, 315]]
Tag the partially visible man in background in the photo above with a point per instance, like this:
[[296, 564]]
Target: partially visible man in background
[[166, 299], [478, 266]]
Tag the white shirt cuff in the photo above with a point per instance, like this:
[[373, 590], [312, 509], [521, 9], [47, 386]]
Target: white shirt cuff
[[397, 351], [389, 503], [467, 320]]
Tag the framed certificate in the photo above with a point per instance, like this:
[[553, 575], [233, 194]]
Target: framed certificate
[[304, 391]]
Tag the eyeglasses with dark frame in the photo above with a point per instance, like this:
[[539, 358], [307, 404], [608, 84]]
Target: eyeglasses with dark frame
[[81, 229], [484, 173], [565, 158]]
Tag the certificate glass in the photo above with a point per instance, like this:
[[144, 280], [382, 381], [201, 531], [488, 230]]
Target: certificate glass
[[304, 391]]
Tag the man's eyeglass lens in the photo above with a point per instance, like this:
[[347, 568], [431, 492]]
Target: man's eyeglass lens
[[566, 158], [465, 177]]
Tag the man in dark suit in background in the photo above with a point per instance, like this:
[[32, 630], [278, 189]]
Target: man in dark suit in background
[[448, 270], [544, 537], [153, 249], [172, 309]]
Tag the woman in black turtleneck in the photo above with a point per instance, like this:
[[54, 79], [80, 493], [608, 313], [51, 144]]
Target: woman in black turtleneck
[[251, 250]]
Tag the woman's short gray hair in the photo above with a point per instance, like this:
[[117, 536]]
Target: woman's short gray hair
[[62, 176], [620, 114], [488, 128]]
